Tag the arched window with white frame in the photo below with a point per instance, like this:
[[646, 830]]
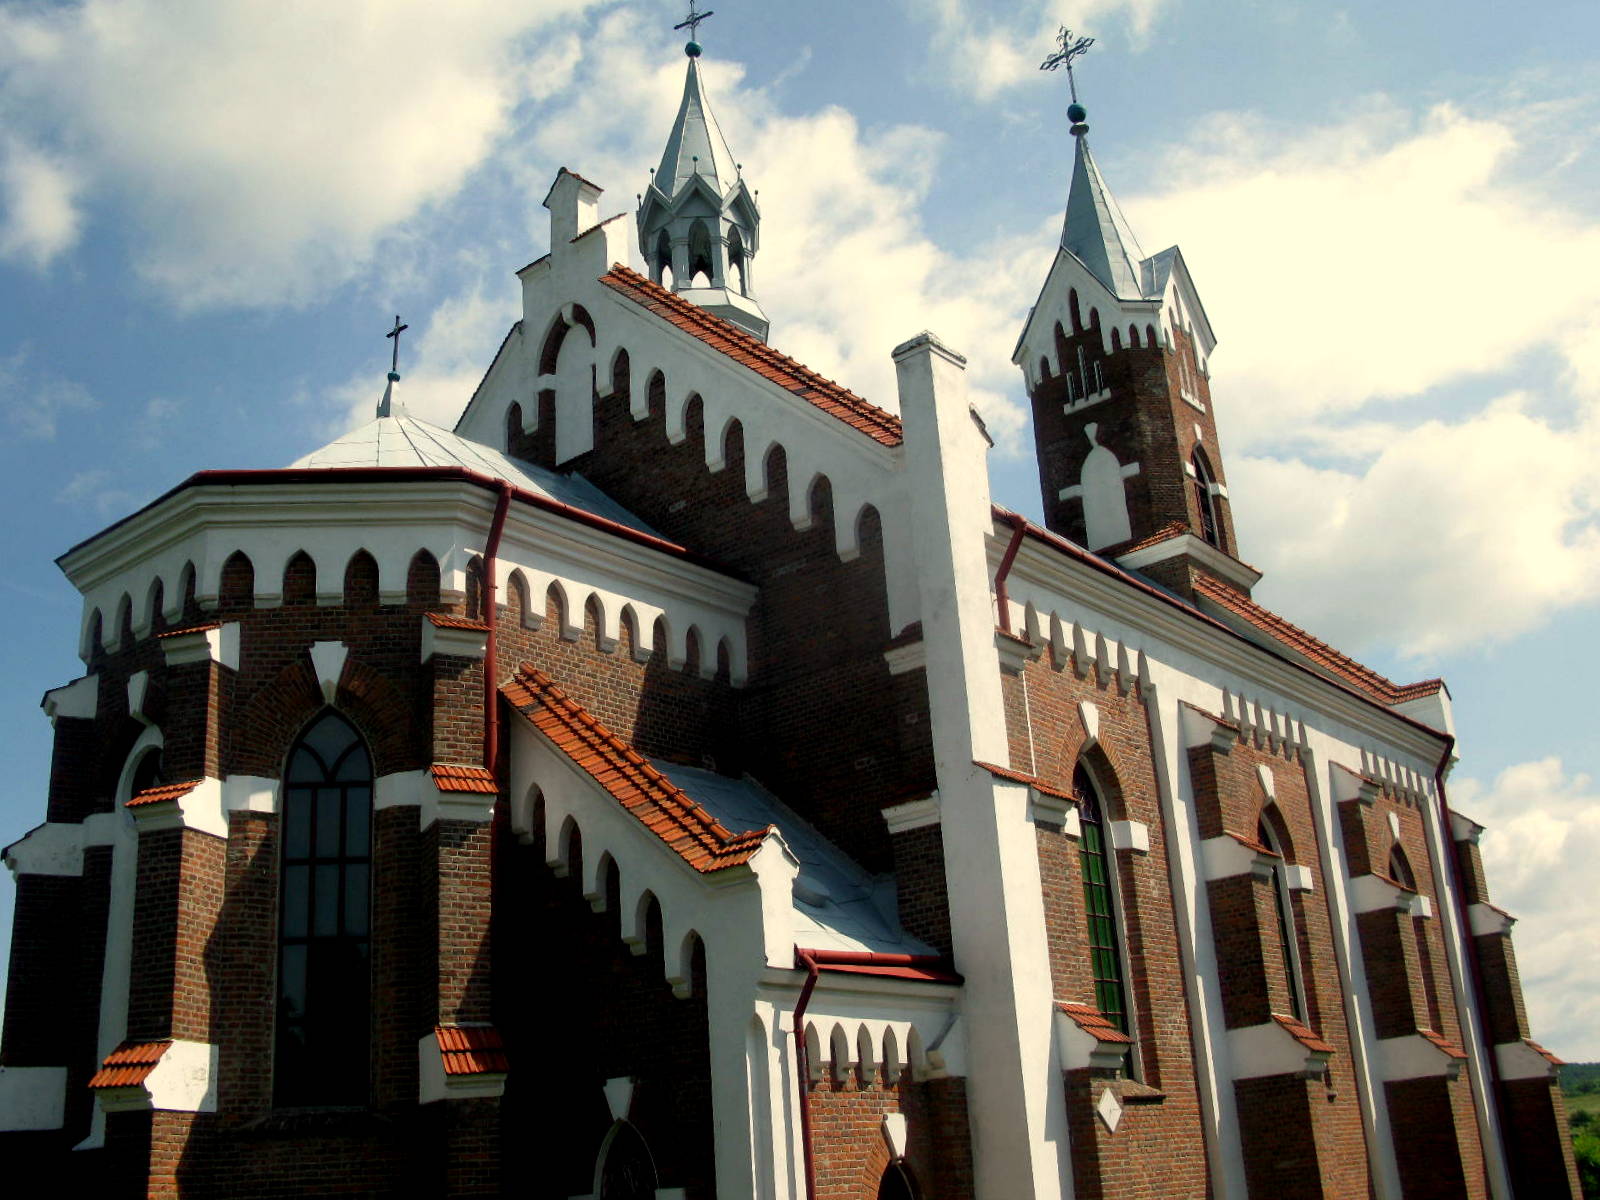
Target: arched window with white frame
[[1205, 500], [1283, 907], [1102, 903]]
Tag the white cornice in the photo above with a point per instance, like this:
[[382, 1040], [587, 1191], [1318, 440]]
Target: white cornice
[[1174, 633], [1203, 552]]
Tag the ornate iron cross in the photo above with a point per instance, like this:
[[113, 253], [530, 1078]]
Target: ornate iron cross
[[1069, 49], [692, 22]]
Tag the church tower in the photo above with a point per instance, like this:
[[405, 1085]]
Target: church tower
[[1115, 356], [699, 227]]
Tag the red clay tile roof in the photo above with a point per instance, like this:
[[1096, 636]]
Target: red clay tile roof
[[1033, 781], [209, 625], [471, 1050], [1250, 843], [1543, 1053], [451, 621], [1303, 1034], [920, 974], [1444, 1044], [664, 808], [1165, 534], [1095, 1023], [1313, 648], [129, 1064], [162, 791], [727, 338], [450, 778]]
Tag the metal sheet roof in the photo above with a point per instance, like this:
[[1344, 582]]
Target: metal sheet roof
[[837, 905], [408, 442]]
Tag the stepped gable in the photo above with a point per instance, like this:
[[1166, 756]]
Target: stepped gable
[[727, 338], [664, 808], [1313, 648]]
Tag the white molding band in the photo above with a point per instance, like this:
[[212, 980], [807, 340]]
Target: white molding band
[[1486, 918], [1412, 1056], [184, 1079], [433, 1084], [461, 643], [32, 1098], [913, 814], [218, 644], [200, 809], [1270, 1049], [1225, 856], [1129, 835], [78, 700], [1372, 893], [913, 656], [1519, 1060]]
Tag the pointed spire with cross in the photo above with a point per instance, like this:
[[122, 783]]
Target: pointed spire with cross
[[386, 406]]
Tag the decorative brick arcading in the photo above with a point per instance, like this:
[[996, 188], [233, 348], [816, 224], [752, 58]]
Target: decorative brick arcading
[[723, 336], [664, 808]]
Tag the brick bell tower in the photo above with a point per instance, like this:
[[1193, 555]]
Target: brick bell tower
[[1115, 354]]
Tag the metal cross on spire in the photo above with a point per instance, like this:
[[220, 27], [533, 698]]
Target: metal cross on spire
[[1070, 48], [394, 359], [692, 22]]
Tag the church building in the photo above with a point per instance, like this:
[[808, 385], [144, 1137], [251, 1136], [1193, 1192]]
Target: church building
[[680, 780]]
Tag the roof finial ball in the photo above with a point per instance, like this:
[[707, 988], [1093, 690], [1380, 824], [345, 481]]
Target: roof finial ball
[[692, 24], [1069, 48]]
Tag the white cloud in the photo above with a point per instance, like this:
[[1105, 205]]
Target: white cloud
[[35, 400], [38, 213], [1371, 260], [846, 270], [1539, 849], [986, 51], [1477, 530], [1358, 275], [91, 489], [264, 147]]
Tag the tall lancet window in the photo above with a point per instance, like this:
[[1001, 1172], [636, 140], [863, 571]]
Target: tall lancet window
[[1205, 502], [1100, 904], [1288, 935], [324, 919]]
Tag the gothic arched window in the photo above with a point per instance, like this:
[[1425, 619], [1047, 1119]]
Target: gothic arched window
[[323, 919], [1205, 502], [1100, 904], [896, 1184], [1288, 935], [626, 1170]]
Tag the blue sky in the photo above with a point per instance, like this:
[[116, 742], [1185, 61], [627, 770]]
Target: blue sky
[[208, 218]]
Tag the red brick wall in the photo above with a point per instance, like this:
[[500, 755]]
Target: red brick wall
[[575, 1005], [849, 1150], [178, 899], [1538, 1150], [1145, 420], [822, 723], [1160, 1144]]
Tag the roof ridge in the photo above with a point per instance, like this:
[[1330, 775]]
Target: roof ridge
[[1328, 656], [838, 401], [633, 781]]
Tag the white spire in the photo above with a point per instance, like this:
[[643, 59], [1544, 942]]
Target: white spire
[[696, 145], [698, 221], [1095, 230]]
